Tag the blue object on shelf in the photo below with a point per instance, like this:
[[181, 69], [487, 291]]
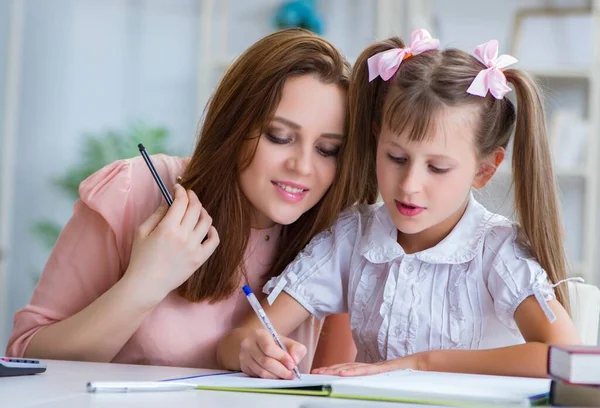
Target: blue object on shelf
[[299, 13]]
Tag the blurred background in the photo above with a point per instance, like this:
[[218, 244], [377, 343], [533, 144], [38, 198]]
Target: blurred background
[[83, 81]]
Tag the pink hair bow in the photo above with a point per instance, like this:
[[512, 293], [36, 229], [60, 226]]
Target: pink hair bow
[[491, 79], [386, 63]]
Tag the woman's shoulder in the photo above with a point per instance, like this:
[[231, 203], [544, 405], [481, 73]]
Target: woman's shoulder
[[127, 188]]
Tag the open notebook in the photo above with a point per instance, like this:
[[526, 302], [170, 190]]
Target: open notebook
[[399, 386]]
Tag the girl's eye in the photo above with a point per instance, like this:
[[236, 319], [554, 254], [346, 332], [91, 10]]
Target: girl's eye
[[328, 152], [399, 160], [276, 139], [438, 170]]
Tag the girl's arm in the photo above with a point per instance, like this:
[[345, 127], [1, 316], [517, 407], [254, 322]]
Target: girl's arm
[[336, 345], [318, 278], [251, 348], [525, 360]]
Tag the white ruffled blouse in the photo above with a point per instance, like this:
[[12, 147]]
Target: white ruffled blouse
[[459, 294]]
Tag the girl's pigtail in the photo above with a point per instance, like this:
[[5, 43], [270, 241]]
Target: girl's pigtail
[[536, 197]]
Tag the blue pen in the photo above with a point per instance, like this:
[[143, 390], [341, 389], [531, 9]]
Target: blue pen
[[260, 312]]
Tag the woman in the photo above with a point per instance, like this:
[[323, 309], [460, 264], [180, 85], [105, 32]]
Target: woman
[[130, 283]]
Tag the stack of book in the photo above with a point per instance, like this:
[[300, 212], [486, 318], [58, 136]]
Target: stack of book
[[575, 372]]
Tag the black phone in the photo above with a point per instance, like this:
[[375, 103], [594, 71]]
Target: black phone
[[10, 367]]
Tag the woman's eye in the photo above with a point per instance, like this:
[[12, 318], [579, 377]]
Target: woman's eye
[[328, 152], [399, 160], [276, 139], [438, 170]]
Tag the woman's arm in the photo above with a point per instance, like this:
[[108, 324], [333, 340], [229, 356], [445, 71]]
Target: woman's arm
[[251, 349], [80, 311], [336, 345], [525, 360], [99, 331], [65, 318]]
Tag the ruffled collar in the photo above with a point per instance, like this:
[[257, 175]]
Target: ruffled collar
[[379, 243]]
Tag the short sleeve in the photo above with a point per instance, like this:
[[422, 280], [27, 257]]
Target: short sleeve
[[318, 277], [87, 259], [514, 275]]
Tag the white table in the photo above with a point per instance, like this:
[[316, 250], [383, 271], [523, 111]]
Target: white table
[[64, 385]]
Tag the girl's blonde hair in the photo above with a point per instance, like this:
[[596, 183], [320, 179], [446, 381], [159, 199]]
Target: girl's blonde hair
[[426, 83]]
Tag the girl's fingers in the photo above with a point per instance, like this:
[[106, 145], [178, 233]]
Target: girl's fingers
[[364, 369], [268, 348], [335, 369], [297, 350], [246, 369], [267, 367]]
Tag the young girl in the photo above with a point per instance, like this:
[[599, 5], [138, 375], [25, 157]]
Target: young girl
[[131, 283], [431, 279]]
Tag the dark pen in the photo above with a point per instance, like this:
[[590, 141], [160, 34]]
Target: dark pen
[[157, 178]]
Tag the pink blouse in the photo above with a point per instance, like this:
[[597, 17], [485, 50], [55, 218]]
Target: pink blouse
[[92, 254]]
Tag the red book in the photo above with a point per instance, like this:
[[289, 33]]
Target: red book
[[575, 364]]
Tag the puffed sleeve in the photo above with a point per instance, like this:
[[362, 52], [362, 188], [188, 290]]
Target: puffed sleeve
[[88, 257], [514, 275], [318, 277]]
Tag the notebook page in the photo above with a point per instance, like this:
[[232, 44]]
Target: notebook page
[[241, 380], [465, 387]]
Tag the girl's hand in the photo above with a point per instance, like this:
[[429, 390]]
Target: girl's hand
[[412, 362], [169, 245], [260, 356]]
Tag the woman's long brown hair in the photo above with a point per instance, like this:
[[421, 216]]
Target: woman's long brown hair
[[426, 83], [239, 110]]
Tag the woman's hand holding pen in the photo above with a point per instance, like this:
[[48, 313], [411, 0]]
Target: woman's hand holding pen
[[260, 356], [169, 246]]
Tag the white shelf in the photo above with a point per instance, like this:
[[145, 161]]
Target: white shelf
[[588, 77]]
